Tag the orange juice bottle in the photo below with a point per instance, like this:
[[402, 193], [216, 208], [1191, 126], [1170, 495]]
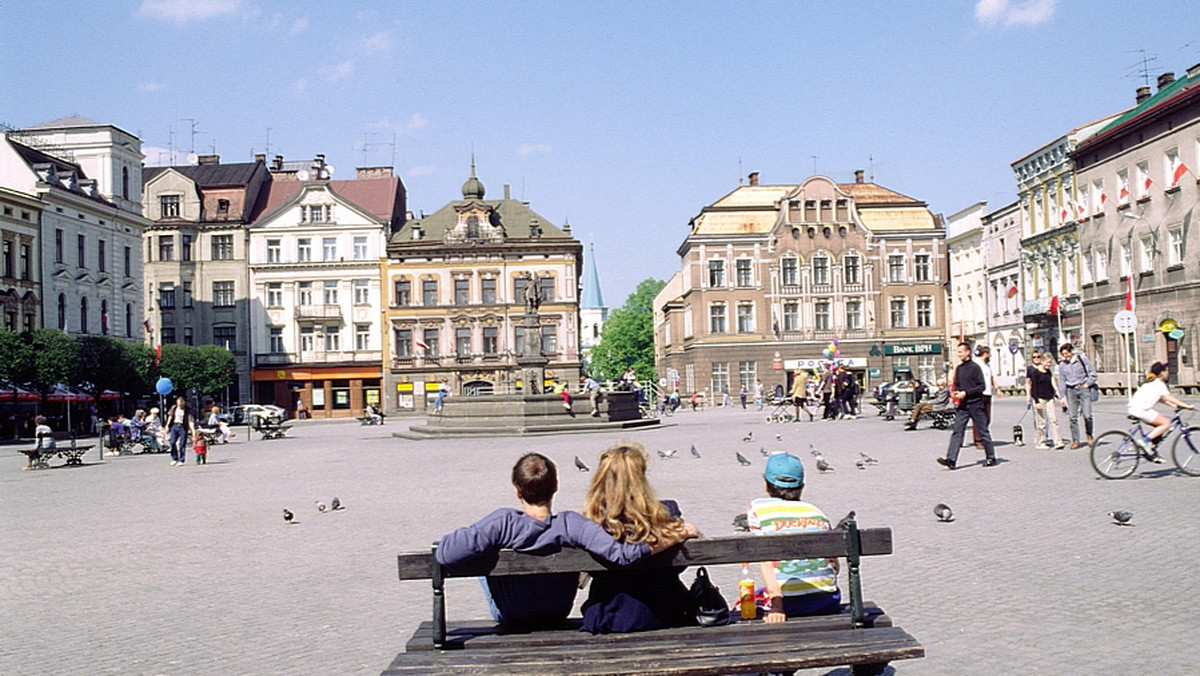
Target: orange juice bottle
[[746, 594]]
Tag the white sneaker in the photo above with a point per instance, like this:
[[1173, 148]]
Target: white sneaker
[[566, 406], [1042, 447], [174, 462]]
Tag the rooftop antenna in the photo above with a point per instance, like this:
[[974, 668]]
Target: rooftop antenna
[[194, 132], [171, 145], [268, 142], [369, 146], [739, 171], [1141, 70], [871, 162]]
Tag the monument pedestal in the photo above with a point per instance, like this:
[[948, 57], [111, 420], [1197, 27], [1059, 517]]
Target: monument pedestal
[[519, 415]]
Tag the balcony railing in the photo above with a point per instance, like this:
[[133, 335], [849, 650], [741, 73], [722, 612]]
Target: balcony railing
[[319, 357], [318, 312]]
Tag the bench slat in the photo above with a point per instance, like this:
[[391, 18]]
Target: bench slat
[[704, 551]]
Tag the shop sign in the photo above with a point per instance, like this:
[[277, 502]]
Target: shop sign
[[820, 362], [1168, 325], [912, 348]]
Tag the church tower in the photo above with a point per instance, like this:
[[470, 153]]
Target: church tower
[[592, 311]]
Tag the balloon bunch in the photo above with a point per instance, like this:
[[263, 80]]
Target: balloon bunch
[[831, 350]]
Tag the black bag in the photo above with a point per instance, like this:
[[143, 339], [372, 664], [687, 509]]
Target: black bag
[[708, 605]]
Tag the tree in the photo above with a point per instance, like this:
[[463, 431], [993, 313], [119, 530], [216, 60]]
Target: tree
[[208, 368], [628, 336], [15, 366], [55, 359]]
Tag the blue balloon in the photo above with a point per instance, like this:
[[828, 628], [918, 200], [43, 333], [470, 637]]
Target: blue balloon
[[164, 386]]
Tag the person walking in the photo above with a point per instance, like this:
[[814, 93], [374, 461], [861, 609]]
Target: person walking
[[758, 394], [968, 394], [990, 388], [1076, 377], [826, 389], [800, 393], [1043, 398], [179, 423], [743, 393]]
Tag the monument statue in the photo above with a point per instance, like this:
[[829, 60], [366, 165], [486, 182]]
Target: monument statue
[[533, 295]]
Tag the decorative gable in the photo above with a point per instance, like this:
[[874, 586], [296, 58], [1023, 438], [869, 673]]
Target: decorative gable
[[474, 224]]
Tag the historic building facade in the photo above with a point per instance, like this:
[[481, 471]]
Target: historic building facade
[[772, 275], [197, 290], [1142, 169], [314, 258], [968, 278], [456, 279], [1005, 323], [20, 266]]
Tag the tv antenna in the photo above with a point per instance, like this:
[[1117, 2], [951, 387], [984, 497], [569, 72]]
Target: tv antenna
[[1141, 70], [369, 146], [814, 159], [195, 131]]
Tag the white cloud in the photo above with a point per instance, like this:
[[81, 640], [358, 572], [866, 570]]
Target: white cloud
[[1022, 12], [183, 11], [403, 127], [377, 42], [531, 148], [151, 86], [299, 86], [422, 170], [341, 71], [298, 26], [162, 157]]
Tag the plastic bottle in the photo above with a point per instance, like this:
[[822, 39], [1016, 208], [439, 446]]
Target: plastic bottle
[[746, 594]]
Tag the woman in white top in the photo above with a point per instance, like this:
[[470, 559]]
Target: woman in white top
[[1141, 404]]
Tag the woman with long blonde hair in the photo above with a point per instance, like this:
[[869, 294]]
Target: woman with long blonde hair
[[621, 500]]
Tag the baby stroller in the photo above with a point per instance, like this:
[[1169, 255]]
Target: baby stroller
[[783, 411]]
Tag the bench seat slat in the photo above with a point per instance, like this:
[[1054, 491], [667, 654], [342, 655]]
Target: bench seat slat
[[706, 551], [720, 652]]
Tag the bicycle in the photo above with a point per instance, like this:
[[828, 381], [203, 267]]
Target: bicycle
[[1116, 453]]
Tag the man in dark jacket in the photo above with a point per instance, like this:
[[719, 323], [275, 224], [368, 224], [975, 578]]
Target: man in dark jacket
[[968, 394]]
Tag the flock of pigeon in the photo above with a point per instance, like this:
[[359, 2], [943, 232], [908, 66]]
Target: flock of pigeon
[[334, 505]]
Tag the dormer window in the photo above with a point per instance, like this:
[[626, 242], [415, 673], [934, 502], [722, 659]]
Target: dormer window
[[473, 226], [222, 207], [168, 206]]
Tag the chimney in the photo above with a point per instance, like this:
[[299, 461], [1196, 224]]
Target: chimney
[[1143, 93], [364, 173], [753, 178], [277, 165], [507, 192], [858, 175], [1165, 80], [208, 159], [259, 157]]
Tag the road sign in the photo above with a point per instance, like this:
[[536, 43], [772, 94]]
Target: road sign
[[1125, 322], [1014, 345]]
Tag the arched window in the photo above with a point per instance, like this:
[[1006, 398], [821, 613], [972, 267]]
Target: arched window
[[83, 327], [128, 320], [125, 182], [62, 312], [473, 226], [104, 316]]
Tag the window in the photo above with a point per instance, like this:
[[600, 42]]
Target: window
[[790, 271], [226, 337], [360, 248], [519, 288], [1101, 265], [429, 292], [29, 323], [223, 294], [820, 269], [62, 312], [168, 206], [333, 338], [222, 247], [519, 339], [549, 340], [362, 292], [745, 317], [304, 293], [275, 294], [852, 270], [273, 251], [304, 249], [896, 268], [921, 265], [125, 182], [403, 341], [83, 314], [1174, 168], [275, 341], [716, 273], [854, 314], [1142, 180], [1126, 260], [101, 265], [329, 249], [821, 314], [362, 336], [128, 262], [1098, 352], [1123, 194], [546, 286], [166, 296], [743, 272], [491, 336], [928, 368], [1175, 246], [81, 250], [187, 294], [104, 317], [899, 312], [1146, 251], [747, 374], [329, 294], [307, 339], [1088, 263], [168, 335], [431, 339], [8, 258], [488, 291], [462, 341], [317, 213], [462, 291], [10, 321], [58, 245], [166, 247], [924, 312], [1098, 196], [185, 248], [720, 377], [716, 318], [791, 316], [402, 293], [25, 255]]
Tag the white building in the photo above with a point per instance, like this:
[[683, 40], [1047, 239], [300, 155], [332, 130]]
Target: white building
[[1005, 323], [964, 244]]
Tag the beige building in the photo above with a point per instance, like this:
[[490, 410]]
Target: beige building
[[771, 275], [20, 266], [456, 279]]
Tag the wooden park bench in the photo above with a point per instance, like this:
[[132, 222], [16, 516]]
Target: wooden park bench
[[861, 636]]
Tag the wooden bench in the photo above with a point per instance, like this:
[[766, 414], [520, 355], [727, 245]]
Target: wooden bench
[[370, 420], [861, 636]]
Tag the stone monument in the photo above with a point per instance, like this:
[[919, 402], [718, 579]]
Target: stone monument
[[531, 360]]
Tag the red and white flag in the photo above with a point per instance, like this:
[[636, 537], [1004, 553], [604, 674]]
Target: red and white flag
[[1103, 199], [1130, 301], [149, 324], [1123, 196], [1055, 307], [1012, 290], [421, 344], [104, 323], [1064, 215], [1146, 185], [1081, 209], [1178, 173], [157, 355]]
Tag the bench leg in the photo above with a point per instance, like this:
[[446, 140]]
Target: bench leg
[[868, 669]]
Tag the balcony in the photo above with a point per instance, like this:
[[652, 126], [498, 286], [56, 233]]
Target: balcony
[[319, 357], [318, 312]]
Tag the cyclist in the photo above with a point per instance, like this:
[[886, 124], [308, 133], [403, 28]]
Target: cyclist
[[1141, 406]]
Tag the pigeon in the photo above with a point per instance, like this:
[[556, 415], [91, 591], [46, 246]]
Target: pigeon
[[778, 436], [943, 513], [579, 463], [841, 525], [749, 436], [666, 455], [823, 466], [813, 449], [867, 459], [335, 504], [861, 464], [740, 523], [765, 452], [742, 460], [1121, 517], [288, 516], [320, 506], [695, 453]]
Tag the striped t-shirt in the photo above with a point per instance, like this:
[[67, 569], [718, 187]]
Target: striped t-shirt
[[797, 577]]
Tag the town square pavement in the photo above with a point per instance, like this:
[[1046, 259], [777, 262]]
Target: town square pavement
[[130, 566]]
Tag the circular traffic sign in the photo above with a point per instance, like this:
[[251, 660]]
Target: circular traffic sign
[[1125, 322]]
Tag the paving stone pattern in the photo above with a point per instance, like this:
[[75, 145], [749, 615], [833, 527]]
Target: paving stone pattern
[[130, 566]]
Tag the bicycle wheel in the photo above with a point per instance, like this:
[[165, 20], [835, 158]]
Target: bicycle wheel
[[1185, 451], [1115, 455]]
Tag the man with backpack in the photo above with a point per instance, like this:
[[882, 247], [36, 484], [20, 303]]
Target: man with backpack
[[1076, 380]]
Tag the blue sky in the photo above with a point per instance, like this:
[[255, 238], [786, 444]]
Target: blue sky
[[626, 118]]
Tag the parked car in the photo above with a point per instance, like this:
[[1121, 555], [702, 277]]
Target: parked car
[[247, 412]]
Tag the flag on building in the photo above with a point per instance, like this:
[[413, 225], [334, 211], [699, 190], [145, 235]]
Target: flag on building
[[1081, 208], [419, 343], [1055, 306], [157, 355], [1103, 199], [1012, 290], [149, 324], [1123, 195], [1146, 183], [1130, 302], [104, 323], [1178, 172], [1064, 214]]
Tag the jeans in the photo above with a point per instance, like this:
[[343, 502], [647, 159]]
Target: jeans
[[176, 441], [1079, 402], [972, 410]]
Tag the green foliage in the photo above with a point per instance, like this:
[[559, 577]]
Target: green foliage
[[16, 360], [628, 336], [209, 368], [54, 359]]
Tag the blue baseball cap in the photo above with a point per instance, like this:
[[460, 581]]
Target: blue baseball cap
[[784, 470]]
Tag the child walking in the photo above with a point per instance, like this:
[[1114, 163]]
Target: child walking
[[200, 448]]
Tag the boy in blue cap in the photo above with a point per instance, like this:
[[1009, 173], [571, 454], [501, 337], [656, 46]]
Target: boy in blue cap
[[803, 586]]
